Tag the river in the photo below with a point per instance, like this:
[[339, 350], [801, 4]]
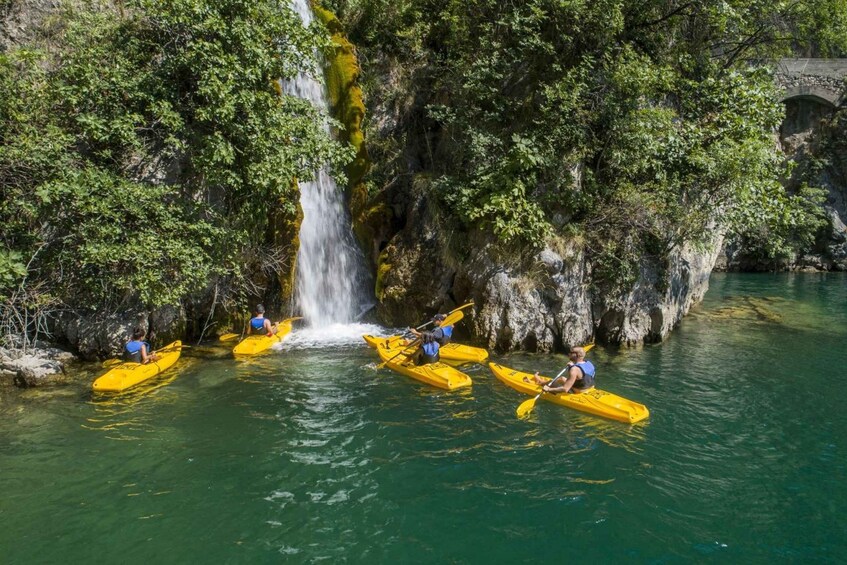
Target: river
[[310, 453]]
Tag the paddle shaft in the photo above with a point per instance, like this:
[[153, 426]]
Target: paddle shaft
[[413, 344], [554, 379], [459, 309]]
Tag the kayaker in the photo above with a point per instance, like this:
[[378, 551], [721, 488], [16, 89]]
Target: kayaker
[[579, 375], [441, 334], [259, 324], [428, 351], [137, 350]]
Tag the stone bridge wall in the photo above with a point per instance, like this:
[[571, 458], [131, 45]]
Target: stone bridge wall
[[821, 80]]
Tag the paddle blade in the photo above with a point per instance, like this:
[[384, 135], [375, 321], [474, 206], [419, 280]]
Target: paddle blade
[[526, 407], [228, 337], [462, 307], [109, 363], [452, 319], [588, 347]]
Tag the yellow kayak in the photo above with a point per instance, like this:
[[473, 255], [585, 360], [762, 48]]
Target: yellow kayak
[[450, 352], [435, 374], [593, 401], [253, 344], [129, 374]]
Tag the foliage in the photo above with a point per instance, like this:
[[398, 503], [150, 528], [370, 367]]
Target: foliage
[[144, 152], [644, 125]]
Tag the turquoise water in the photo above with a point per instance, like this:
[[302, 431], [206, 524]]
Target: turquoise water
[[311, 454]]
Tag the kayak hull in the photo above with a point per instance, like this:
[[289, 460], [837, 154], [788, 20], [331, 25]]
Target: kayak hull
[[593, 401], [450, 352], [128, 374], [253, 344], [435, 374]]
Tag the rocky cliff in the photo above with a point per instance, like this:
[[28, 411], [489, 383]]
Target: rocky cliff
[[543, 301]]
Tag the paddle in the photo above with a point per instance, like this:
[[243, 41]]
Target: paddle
[[451, 319], [527, 405], [228, 337], [459, 309], [414, 345]]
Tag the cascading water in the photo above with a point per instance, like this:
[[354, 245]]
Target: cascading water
[[331, 280]]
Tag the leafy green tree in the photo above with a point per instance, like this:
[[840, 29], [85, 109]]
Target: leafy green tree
[[145, 146], [640, 126]]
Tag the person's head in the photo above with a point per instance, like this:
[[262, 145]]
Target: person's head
[[427, 337], [138, 333], [577, 354], [260, 309], [438, 318]]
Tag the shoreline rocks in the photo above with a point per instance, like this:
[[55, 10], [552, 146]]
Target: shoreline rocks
[[37, 365]]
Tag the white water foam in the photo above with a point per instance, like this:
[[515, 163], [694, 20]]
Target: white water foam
[[334, 335]]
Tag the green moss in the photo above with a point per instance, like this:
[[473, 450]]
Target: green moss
[[382, 269], [348, 107], [286, 232]]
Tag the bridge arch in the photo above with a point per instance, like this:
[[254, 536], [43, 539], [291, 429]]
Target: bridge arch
[[817, 94]]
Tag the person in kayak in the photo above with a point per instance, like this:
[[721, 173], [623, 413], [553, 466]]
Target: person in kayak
[[441, 334], [428, 351], [137, 350], [259, 324], [578, 377]]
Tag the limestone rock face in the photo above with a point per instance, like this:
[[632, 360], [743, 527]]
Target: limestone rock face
[[97, 336], [540, 303], [19, 20], [659, 300]]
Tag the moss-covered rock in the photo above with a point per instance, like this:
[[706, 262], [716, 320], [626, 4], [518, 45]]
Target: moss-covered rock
[[348, 107]]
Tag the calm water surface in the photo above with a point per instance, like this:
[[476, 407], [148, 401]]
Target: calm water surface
[[310, 454]]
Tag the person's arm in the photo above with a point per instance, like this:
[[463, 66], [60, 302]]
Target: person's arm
[[573, 375], [145, 357], [268, 328]]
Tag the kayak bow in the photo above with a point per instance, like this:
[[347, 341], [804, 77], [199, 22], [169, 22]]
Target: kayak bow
[[449, 352], [253, 344]]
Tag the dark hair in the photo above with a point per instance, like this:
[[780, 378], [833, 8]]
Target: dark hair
[[439, 317], [260, 309], [427, 337], [138, 333]]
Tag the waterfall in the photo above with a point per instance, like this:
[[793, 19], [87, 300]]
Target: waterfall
[[331, 281]]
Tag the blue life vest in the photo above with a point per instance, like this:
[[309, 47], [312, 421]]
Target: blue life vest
[[132, 351], [258, 324], [431, 349], [587, 380], [442, 335]]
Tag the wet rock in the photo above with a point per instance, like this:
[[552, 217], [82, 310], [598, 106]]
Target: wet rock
[[33, 370]]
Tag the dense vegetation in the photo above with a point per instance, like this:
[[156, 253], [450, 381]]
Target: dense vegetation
[[146, 150], [635, 126]]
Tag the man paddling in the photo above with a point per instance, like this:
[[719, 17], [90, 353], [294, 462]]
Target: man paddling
[[580, 375], [428, 351], [259, 324]]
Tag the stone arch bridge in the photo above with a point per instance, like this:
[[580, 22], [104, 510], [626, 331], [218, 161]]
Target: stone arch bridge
[[816, 80]]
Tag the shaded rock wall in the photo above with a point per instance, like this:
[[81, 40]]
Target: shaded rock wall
[[814, 137]]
